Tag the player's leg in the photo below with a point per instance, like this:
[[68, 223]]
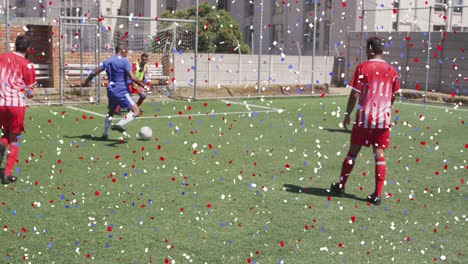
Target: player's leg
[[141, 99], [11, 157], [3, 145], [15, 127], [358, 139], [4, 120], [381, 141], [127, 102], [112, 105], [380, 170]]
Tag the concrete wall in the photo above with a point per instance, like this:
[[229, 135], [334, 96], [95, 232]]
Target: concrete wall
[[231, 69]]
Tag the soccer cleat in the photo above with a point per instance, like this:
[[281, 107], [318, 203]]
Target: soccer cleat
[[7, 179], [374, 199], [337, 189], [118, 128]]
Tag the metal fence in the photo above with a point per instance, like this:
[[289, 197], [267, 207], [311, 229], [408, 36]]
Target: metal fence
[[85, 43], [426, 45]]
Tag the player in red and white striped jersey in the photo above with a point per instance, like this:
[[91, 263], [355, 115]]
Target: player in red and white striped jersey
[[17, 81], [374, 84]]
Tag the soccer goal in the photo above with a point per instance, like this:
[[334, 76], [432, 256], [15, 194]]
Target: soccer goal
[[87, 43]]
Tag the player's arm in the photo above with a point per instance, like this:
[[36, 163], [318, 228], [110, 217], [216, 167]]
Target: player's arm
[[30, 90], [95, 72], [29, 78], [352, 99], [396, 88], [134, 79]]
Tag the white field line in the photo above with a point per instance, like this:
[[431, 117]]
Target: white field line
[[176, 116], [436, 106], [251, 105], [85, 111]]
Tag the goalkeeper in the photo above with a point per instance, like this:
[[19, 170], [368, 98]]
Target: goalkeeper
[[139, 69]]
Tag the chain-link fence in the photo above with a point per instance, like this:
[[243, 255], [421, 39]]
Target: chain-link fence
[[426, 45]]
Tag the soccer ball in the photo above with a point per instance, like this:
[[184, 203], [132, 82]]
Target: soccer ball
[[145, 133]]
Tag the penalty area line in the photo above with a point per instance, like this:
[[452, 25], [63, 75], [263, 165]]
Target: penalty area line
[[213, 114], [85, 111], [251, 105], [178, 116]]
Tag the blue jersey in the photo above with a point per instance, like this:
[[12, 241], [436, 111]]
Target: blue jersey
[[116, 68]]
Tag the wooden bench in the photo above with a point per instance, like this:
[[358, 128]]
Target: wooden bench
[[42, 71], [155, 75]]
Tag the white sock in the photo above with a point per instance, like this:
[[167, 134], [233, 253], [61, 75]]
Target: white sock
[[107, 124], [129, 117]]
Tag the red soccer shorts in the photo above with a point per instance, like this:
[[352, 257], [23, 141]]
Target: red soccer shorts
[[12, 119], [133, 90], [379, 138]]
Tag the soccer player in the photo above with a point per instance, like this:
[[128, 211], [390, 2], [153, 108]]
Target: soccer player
[[139, 69], [118, 70], [374, 84], [17, 77]]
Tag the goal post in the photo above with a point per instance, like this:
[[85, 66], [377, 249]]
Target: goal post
[[164, 40], [86, 42]]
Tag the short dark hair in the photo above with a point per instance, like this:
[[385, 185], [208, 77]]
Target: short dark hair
[[118, 49], [144, 54], [22, 43], [375, 44]]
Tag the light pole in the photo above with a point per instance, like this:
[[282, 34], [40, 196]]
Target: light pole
[[195, 61], [313, 45], [260, 37]]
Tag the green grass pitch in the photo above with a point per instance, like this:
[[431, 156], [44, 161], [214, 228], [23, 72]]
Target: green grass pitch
[[234, 182]]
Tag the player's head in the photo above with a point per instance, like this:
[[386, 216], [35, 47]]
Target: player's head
[[22, 44], [375, 46], [144, 58], [121, 50]]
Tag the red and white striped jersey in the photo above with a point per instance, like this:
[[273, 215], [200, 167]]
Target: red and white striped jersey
[[16, 74], [376, 81]]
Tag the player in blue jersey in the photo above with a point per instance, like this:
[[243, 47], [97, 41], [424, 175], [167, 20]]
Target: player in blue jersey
[[118, 70]]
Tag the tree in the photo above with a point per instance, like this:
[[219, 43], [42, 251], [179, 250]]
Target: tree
[[218, 31]]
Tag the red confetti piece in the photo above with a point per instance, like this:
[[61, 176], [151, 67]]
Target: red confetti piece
[[117, 157], [208, 206], [415, 60], [340, 245], [162, 159], [343, 4], [353, 219], [287, 166], [97, 193], [109, 229], [181, 209], [281, 243], [423, 143], [466, 146]]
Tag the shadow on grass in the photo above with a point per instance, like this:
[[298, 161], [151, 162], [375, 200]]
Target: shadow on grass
[[333, 130], [111, 142], [318, 192]]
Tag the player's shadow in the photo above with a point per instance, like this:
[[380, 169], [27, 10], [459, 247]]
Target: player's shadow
[[318, 192], [333, 130], [110, 142]]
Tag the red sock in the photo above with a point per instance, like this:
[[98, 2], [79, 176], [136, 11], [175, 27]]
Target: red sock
[[380, 172], [346, 168], [12, 156], [4, 140]]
